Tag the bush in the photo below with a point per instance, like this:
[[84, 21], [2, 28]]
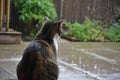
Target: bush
[[35, 10], [113, 32], [88, 31]]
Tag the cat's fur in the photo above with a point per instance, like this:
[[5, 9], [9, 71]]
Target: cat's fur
[[39, 58]]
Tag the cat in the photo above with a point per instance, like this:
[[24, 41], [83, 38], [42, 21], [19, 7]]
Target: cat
[[39, 58]]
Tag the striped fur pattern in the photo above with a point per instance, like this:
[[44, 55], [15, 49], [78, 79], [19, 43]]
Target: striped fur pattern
[[39, 58]]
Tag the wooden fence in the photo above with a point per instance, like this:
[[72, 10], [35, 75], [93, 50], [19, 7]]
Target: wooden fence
[[76, 10]]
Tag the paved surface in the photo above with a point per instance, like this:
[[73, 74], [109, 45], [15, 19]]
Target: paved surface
[[77, 60], [98, 60]]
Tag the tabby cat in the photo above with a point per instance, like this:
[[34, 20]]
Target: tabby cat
[[39, 58]]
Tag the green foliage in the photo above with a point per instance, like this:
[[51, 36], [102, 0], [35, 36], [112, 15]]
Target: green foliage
[[113, 32], [35, 10], [88, 31], [117, 11]]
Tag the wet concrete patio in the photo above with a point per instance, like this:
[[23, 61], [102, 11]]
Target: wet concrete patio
[[77, 60]]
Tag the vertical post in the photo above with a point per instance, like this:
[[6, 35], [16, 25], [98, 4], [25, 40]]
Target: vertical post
[[8, 15], [61, 9], [1, 13]]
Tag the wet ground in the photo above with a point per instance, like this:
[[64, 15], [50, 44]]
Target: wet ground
[[77, 60]]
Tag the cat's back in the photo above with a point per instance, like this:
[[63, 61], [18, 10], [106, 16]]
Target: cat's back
[[36, 46], [37, 63]]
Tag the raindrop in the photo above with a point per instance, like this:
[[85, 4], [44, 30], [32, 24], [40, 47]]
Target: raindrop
[[80, 62], [95, 66]]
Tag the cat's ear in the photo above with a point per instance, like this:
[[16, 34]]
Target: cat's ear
[[60, 23]]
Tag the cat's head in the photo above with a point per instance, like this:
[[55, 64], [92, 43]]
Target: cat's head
[[49, 30]]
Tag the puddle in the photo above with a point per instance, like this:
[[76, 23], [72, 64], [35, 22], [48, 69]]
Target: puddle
[[89, 58]]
